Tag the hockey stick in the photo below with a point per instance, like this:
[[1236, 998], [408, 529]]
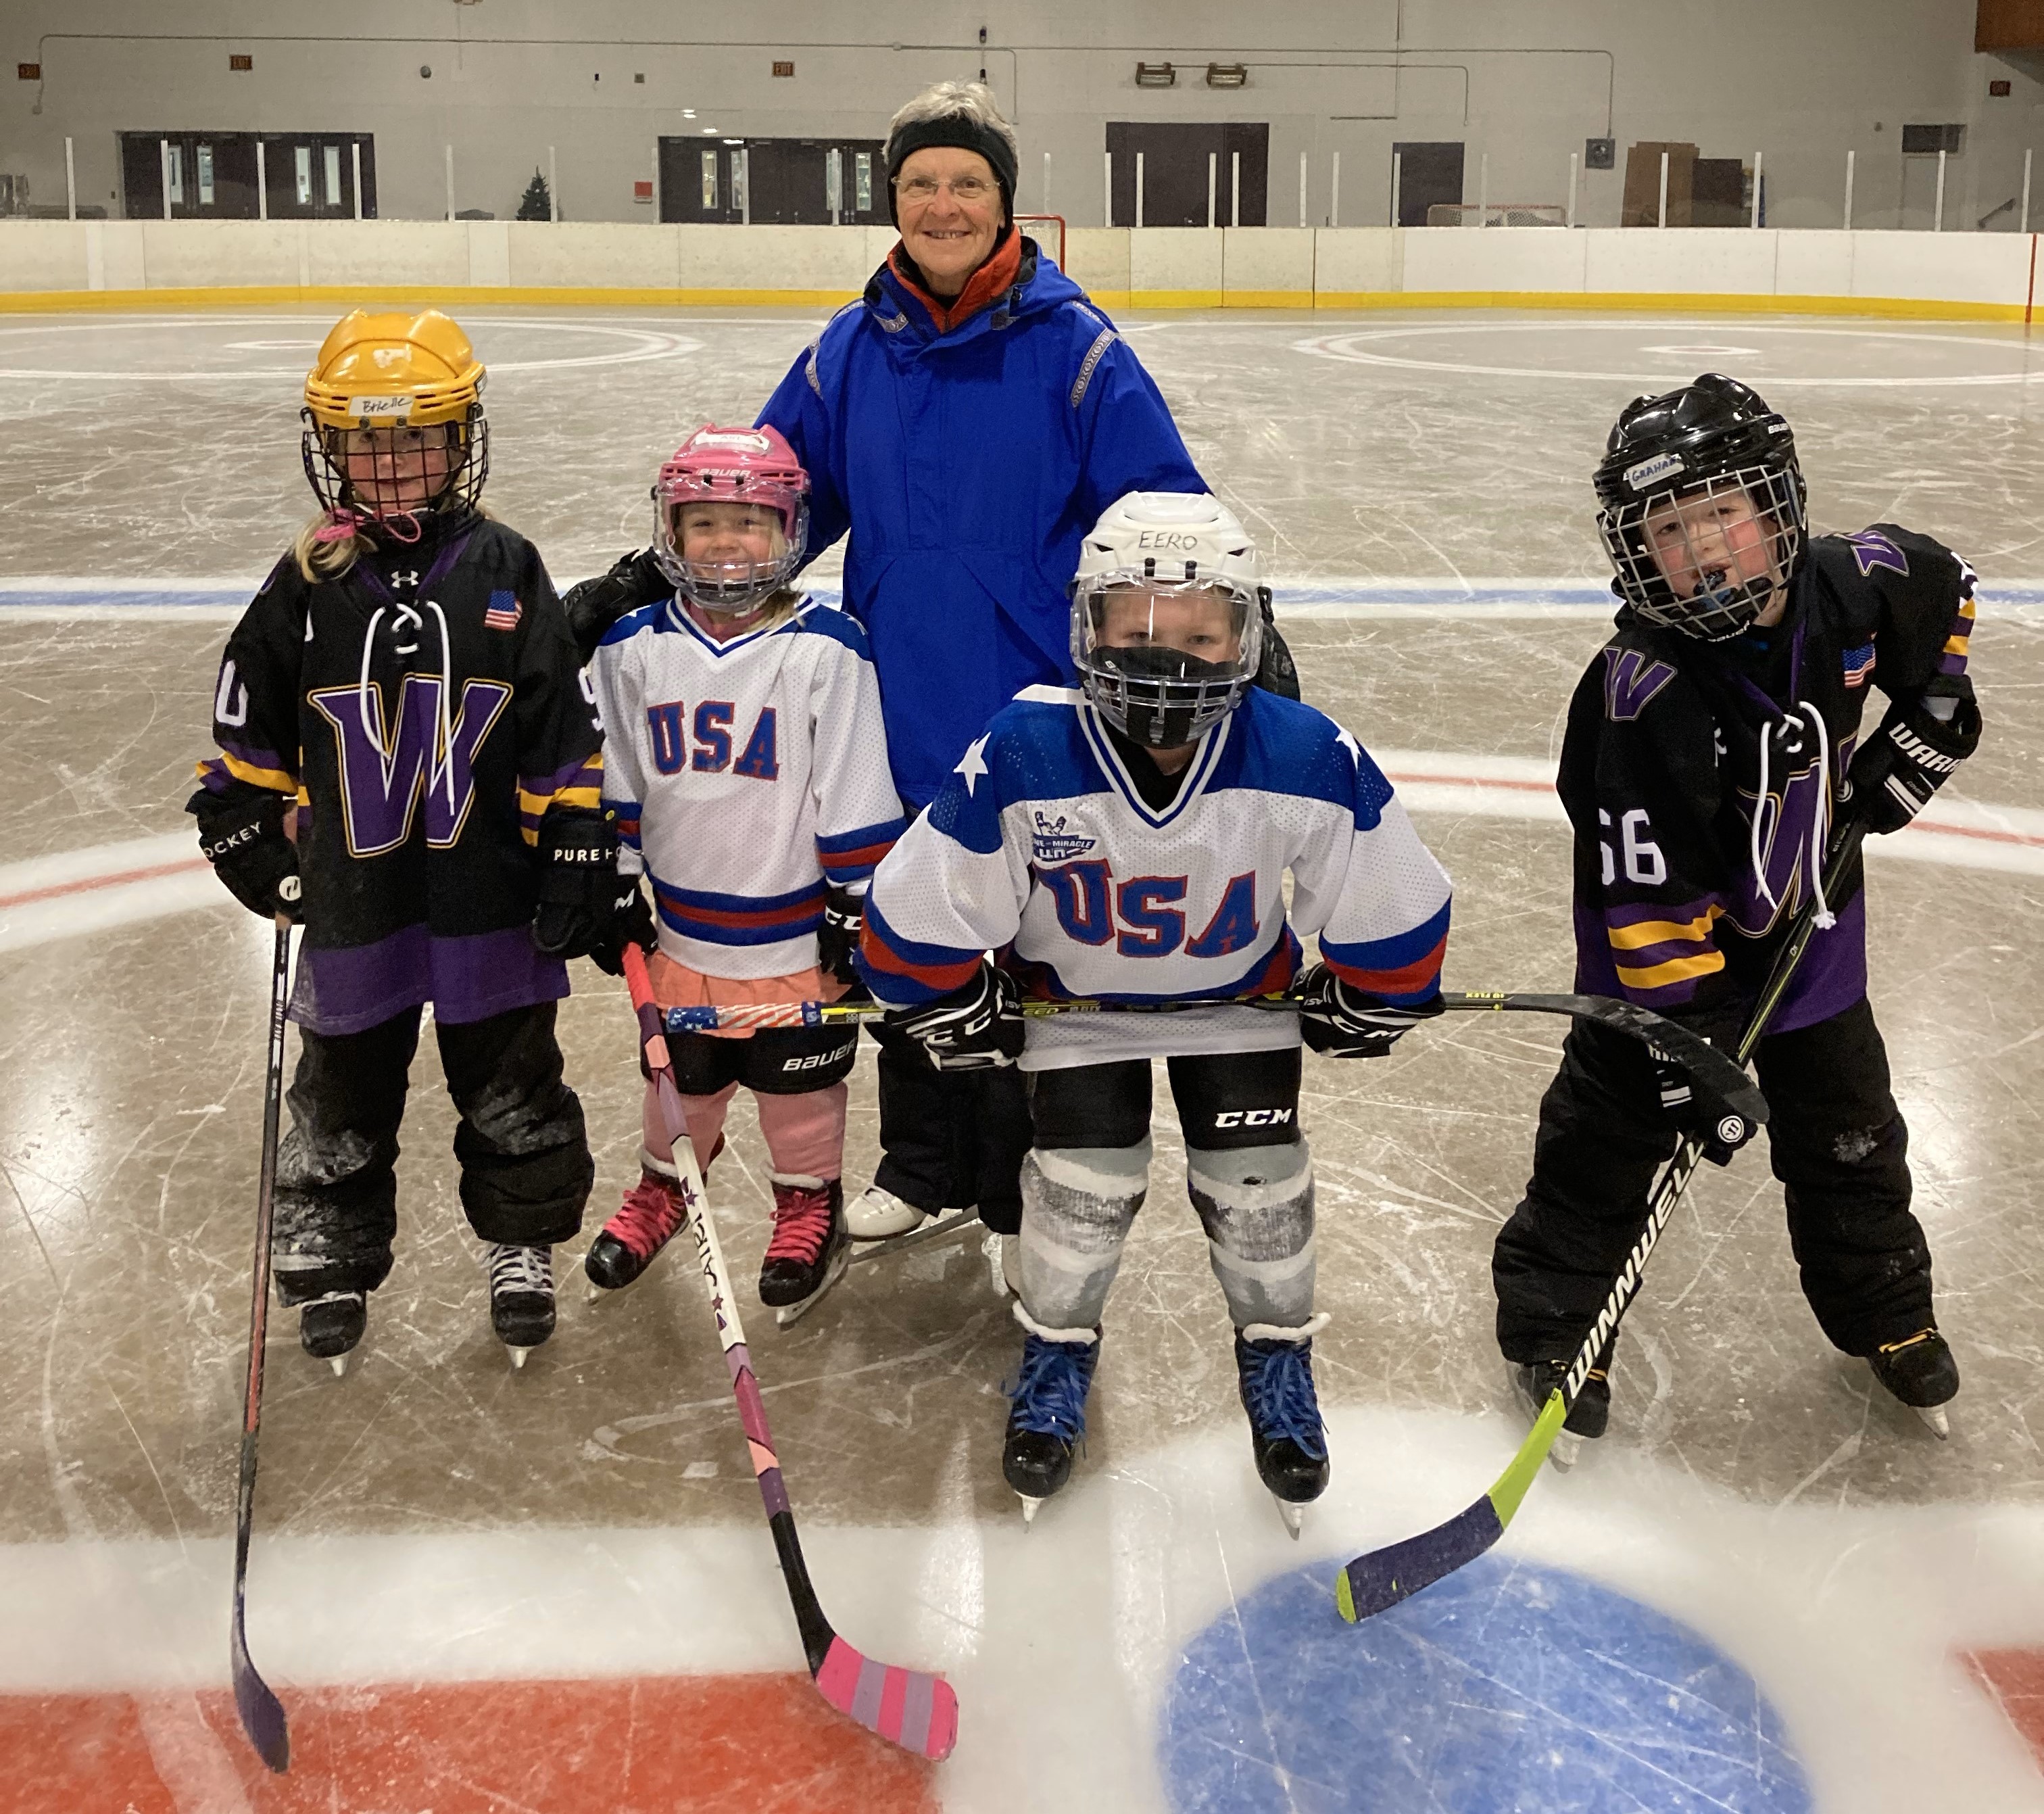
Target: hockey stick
[[1713, 1074], [1385, 1576], [909, 1708], [262, 1713]]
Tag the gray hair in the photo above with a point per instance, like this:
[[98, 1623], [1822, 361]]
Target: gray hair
[[948, 100]]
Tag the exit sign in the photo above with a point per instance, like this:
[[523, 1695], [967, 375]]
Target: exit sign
[[240, 63], [787, 68], [29, 71]]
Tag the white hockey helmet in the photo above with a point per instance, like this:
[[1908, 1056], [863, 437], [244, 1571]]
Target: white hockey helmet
[[1164, 676]]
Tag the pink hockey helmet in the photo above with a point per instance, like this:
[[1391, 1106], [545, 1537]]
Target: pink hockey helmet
[[731, 466]]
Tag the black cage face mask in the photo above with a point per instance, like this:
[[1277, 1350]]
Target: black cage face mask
[[1707, 560], [1153, 691]]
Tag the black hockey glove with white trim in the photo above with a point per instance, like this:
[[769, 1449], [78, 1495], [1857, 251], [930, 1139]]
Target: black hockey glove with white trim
[[844, 917], [1919, 743], [579, 897], [1340, 1021], [242, 836], [594, 604], [627, 921], [976, 1028], [1721, 1130]]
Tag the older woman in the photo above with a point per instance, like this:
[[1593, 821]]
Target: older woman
[[962, 423]]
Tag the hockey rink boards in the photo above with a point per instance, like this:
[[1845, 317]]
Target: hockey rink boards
[[1769, 1590]]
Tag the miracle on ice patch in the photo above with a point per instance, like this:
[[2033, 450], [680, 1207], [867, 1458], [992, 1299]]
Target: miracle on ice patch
[[1051, 843]]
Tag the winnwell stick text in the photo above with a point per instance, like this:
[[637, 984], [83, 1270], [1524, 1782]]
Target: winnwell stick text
[[912, 1708]]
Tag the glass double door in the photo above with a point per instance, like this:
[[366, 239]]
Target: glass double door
[[773, 182], [306, 176]]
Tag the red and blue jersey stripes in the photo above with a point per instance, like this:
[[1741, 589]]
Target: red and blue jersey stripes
[[916, 972], [738, 919], [1404, 968], [628, 813], [847, 857]]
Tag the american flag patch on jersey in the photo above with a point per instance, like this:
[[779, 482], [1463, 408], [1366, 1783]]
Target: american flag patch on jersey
[[1859, 664], [505, 611]]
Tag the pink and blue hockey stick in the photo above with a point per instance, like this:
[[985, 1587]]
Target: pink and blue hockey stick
[[909, 1708]]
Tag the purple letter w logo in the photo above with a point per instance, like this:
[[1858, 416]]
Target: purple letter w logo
[[381, 775], [1630, 682]]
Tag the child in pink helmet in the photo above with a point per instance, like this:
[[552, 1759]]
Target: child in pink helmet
[[747, 763]]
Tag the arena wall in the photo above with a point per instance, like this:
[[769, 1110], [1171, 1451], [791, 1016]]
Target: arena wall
[[122, 264]]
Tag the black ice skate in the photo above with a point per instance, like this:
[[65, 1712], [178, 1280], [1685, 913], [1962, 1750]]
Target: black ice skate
[[521, 1297], [1919, 1370], [1535, 1382], [653, 1210], [1276, 1376], [1047, 1419], [329, 1326], [807, 1255]]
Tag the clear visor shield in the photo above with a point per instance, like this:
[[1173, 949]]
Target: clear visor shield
[[394, 473], [1164, 662], [1708, 559], [727, 545]]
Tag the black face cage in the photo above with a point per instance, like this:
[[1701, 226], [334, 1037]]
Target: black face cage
[[1156, 695], [325, 457], [1723, 602]]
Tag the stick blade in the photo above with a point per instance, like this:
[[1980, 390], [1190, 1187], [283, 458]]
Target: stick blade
[[1381, 1579], [262, 1713], [906, 1706]]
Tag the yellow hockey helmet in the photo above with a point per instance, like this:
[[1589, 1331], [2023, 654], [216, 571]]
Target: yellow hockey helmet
[[394, 421], [387, 370]]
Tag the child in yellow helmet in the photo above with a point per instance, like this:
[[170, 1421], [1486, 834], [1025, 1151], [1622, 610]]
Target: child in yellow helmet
[[410, 765]]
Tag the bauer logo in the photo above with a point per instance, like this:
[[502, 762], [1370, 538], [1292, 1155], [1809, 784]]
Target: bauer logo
[[379, 409], [1661, 465], [1053, 843]]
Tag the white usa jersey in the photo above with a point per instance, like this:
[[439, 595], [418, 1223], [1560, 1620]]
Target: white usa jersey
[[1041, 848], [745, 775]]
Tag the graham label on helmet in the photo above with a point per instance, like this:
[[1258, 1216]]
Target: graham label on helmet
[[1052, 842], [1651, 471], [380, 409]]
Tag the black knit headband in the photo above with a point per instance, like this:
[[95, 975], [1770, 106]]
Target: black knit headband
[[963, 133]]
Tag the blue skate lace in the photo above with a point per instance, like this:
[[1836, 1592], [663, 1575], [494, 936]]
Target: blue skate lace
[[1281, 1400], [1050, 1395]]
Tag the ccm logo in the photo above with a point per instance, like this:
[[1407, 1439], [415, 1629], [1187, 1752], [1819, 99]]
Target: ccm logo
[[1252, 1118], [816, 1060]]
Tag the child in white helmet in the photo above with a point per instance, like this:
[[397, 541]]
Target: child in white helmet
[[1127, 840]]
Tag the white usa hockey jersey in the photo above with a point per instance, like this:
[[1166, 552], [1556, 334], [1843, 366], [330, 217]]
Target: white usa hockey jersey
[[1041, 848], [745, 775]]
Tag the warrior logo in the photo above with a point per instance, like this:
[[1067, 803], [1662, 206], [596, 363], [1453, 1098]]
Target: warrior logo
[[383, 772], [1053, 844]]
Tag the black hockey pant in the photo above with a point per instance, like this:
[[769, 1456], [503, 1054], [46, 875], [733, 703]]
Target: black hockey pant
[[1838, 1144], [950, 1137], [525, 1165]]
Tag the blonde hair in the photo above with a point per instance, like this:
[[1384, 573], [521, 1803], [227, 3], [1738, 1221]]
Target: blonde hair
[[949, 100]]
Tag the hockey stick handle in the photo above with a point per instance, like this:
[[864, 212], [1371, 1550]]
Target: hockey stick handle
[[1715, 1071]]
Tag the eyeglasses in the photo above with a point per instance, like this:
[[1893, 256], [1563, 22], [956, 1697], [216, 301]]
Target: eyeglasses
[[966, 190]]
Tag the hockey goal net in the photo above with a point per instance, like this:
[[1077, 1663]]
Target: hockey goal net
[[1497, 214], [1048, 232]]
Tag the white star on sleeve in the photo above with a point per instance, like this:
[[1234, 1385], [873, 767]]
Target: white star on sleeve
[[1349, 744], [972, 765]]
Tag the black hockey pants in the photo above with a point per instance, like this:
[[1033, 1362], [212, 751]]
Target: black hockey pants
[[525, 1165], [1838, 1144], [950, 1137]]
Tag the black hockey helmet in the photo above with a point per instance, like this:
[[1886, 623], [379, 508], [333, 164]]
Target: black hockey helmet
[[1702, 506]]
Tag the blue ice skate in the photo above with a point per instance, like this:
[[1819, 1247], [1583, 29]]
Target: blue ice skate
[[1276, 1380], [1048, 1420]]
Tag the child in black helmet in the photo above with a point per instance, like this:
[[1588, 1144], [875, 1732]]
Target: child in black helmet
[[1710, 746]]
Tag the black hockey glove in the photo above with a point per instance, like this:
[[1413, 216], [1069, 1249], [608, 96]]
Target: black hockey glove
[[627, 920], [242, 836], [1919, 743], [1721, 1131], [593, 606], [978, 1028], [1343, 1021], [844, 915], [578, 891]]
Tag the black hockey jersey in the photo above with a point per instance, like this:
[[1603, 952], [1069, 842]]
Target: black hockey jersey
[[426, 709], [1699, 776]]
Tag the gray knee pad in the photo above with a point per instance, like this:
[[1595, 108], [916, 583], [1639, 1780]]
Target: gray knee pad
[[1078, 1204], [1257, 1205]]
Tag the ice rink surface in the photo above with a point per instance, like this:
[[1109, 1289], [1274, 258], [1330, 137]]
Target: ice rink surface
[[1769, 1590]]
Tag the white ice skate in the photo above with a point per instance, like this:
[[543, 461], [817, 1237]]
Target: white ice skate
[[879, 1215]]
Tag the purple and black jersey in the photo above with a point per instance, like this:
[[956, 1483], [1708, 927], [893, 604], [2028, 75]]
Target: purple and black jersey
[[425, 711], [1698, 776]]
